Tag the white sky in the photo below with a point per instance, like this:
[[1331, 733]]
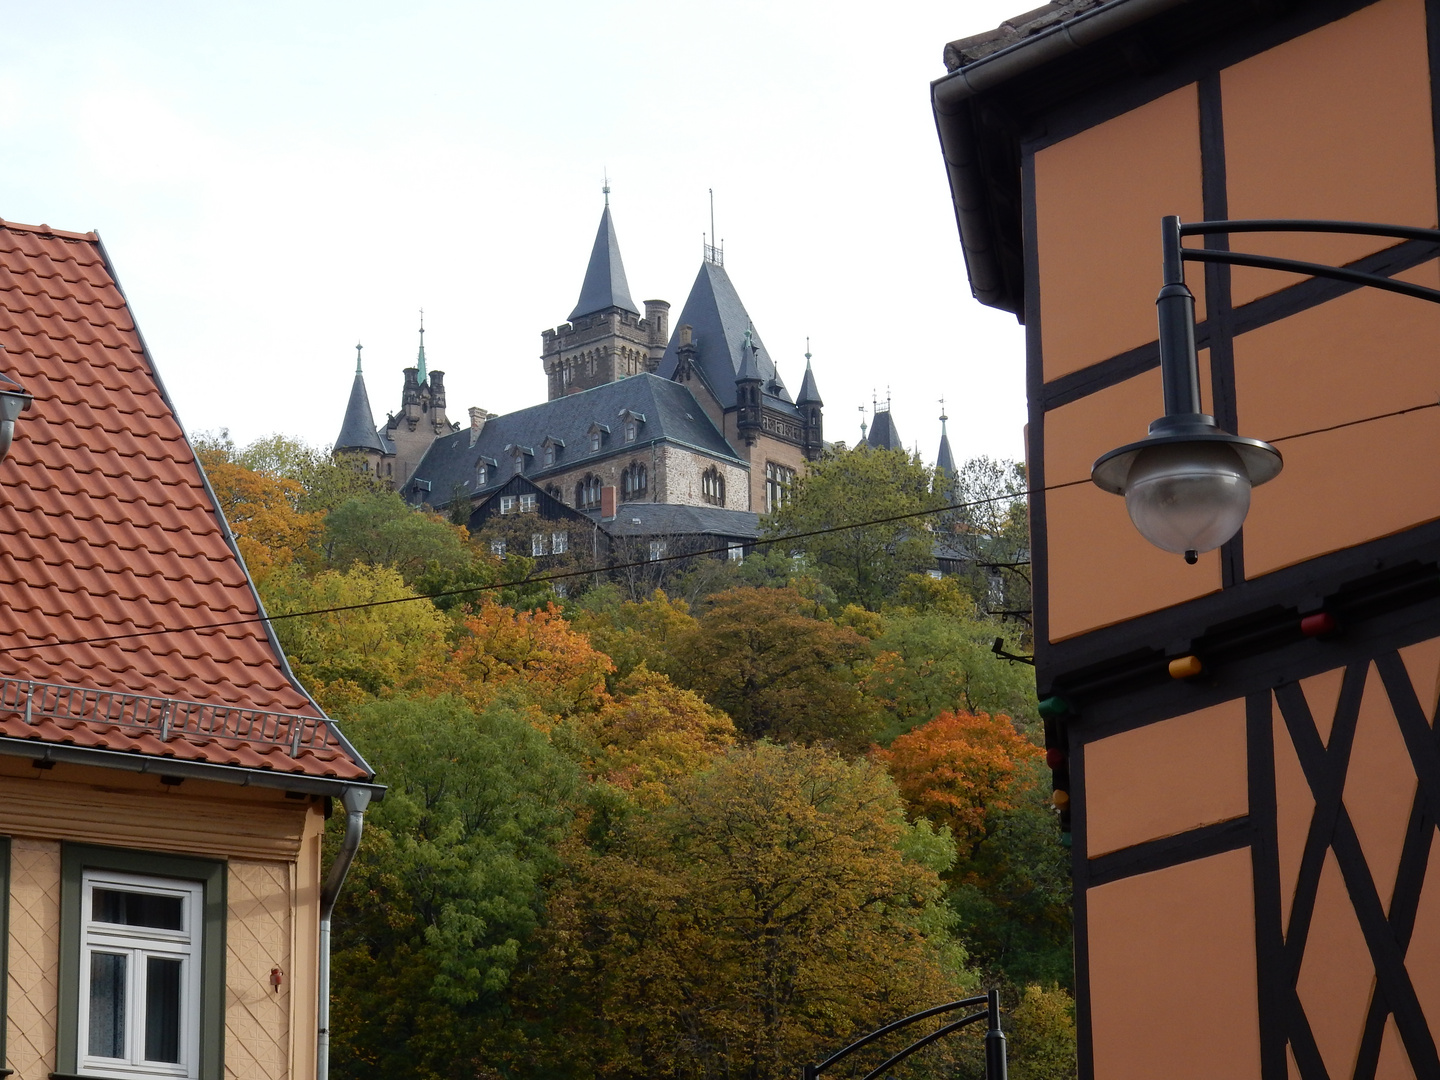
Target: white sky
[[275, 181]]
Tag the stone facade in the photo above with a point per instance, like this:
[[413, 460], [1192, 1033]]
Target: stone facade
[[603, 347], [419, 422]]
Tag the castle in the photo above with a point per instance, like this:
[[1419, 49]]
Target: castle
[[692, 432]]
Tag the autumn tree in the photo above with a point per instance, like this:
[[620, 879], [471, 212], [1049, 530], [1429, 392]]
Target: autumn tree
[[447, 888], [381, 640], [778, 671], [989, 523], [264, 515], [959, 767], [379, 529], [863, 565], [535, 657], [764, 916], [1042, 1035], [633, 632]]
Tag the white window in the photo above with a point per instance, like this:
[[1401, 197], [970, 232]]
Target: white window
[[497, 547], [594, 441], [482, 475], [561, 589], [560, 542], [537, 544], [519, 463], [778, 479], [507, 504], [528, 503], [657, 550], [736, 551], [139, 1007], [630, 430]]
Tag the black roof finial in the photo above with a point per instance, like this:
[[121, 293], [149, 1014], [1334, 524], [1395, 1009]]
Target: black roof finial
[[358, 347], [605, 187]]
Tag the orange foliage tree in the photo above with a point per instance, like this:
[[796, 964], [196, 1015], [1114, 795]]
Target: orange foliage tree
[[535, 654], [262, 511], [957, 768]]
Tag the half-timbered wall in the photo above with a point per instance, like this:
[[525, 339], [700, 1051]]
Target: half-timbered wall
[[1251, 846]]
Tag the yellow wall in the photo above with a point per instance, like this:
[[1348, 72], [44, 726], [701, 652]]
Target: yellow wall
[[272, 847]]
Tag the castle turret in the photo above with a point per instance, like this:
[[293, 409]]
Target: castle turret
[[606, 338], [811, 412], [422, 418], [359, 441], [748, 382]]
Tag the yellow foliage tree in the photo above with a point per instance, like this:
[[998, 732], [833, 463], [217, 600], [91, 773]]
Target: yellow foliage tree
[[262, 511]]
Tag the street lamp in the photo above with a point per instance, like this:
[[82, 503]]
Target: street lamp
[[1187, 483]]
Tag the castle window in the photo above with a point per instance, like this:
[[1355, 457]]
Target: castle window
[[552, 490], [587, 493], [594, 441], [560, 542], [482, 474], [507, 504], [519, 463], [634, 481], [631, 428], [778, 479], [528, 503], [537, 544], [712, 487]]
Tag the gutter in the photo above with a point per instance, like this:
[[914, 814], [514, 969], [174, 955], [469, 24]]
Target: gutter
[[355, 799], [951, 99]]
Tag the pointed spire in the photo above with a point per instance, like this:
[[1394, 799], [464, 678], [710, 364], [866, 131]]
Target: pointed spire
[[749, 362], [944, 460], [809, 392], [605, 285], [357, 431], [422, 374]]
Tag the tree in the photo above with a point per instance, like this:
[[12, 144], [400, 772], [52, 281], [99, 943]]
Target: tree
[[1042, 1035], [762, 657], [992, 527], [651, 733], [347, 656], [633, 632], [765, 915], [447, 888], [264, 515], [958, 768], [532, 656], [381, 530], [862, 565]]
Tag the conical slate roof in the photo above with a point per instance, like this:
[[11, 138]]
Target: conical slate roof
[[749, 362], [717, 315], [884, 435], [944, 460], [809, 392], [358, 430], [605, 285]]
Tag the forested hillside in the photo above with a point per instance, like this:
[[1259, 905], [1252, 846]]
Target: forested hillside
[[715, 829]]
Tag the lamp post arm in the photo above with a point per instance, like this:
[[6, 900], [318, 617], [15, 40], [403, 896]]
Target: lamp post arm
[[1175, 310], [1357, 228], [1295, 266], [912, 1018], [920, 1044]]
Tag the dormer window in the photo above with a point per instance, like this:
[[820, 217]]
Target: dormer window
[[597, 435], [594, 441], [549, 455], [482, 474], [631, 430], [550, 450], [519, 464], [632, 421], [519, 453]]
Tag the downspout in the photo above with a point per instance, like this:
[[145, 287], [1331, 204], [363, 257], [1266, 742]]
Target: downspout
[[355, 800]]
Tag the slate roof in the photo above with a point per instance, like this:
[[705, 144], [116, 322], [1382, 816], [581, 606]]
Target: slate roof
[[809, 392], [357, 432], [672, 519], [110, 530], [884, 435], [670, 410], [719, 319], [944, 459], [605, 285]]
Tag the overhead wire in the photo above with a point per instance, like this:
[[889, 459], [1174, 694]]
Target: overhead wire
[[563, 575]]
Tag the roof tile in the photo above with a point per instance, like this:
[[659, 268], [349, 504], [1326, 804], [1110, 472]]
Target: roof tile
[[110, 532]]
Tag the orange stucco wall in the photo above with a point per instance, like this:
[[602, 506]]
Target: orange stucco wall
[[1176, 943], [1166, 778]]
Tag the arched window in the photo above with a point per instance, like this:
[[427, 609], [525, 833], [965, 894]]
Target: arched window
[[587, 493], [552, 491], [712, 487], [634, 481]]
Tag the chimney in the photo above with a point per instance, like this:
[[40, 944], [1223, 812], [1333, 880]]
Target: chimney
[[437, 390], [607, 503], [478, 416]]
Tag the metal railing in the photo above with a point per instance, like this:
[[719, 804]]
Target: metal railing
[[995, 1063], [165, 718]]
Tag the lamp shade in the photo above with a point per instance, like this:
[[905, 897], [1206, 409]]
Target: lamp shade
[[1187, 496]]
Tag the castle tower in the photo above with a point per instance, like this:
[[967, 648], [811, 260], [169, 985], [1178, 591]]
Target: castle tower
[[422, 418], [359, 442], [607, 338]]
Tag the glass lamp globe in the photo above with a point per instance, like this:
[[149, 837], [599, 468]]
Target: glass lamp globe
[[1187, 497]]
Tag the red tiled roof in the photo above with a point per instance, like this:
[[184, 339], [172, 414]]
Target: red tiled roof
[[106, 528]]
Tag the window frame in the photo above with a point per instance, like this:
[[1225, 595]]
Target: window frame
[[529, 503], [76, 860], [560, 542], [507, 504]]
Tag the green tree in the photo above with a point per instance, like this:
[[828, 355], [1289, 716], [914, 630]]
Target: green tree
[[863, 565], [1042, 1035], [765, 915], [992, 527], [633, 632], [447, 888], [379, 529], [762, 657]]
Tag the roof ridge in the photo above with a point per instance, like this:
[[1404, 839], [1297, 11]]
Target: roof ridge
[[46, 230]]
